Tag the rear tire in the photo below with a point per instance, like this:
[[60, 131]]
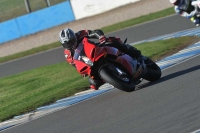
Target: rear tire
[[108, 75], [153, 71]]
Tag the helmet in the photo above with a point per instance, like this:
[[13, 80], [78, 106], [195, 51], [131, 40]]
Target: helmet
[[175, 2], [68, 39]]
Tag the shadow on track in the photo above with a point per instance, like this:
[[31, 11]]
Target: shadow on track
[[170, 76]]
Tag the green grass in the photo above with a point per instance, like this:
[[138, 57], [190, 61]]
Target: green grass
[[106, 29], [14, 8], [11, 8], [31, 89], [26, 91], [159, 49]]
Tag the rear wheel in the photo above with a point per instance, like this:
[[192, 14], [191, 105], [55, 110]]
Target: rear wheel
[[117, 77], [153, 71]]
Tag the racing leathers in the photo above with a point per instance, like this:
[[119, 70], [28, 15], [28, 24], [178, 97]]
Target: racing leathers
[[98, 34], [185, 9]]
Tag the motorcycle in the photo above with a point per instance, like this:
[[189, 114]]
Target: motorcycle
[[196, 3], [112, 66]]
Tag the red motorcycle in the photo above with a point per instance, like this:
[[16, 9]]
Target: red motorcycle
[[112, 66]]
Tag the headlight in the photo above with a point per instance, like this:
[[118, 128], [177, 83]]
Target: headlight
[[87, 60]]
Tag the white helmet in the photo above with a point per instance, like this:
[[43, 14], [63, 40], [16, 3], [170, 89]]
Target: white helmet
[[175, 2], [68, 39]]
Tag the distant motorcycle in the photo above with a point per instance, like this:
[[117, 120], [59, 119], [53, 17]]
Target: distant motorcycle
[[196, 3], [114, 67]]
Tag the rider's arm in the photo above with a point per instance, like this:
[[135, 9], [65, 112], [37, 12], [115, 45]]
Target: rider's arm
[[69, 56], [96, 34]]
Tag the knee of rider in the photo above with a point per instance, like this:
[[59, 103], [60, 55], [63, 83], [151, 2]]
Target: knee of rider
[[117, 41], [192, 19], [196, 21]]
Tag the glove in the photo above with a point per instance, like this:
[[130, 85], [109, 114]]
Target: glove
[[68, 56], [102, 39]]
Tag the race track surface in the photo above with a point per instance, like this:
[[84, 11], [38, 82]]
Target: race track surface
[[168, 105]]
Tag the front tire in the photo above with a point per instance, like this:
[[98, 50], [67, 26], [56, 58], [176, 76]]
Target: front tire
[[110, 77]]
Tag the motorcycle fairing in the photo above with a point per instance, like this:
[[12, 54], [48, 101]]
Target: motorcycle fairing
[[82, 68], [94, 53], [80, 65], [129, 63], [136, 69]]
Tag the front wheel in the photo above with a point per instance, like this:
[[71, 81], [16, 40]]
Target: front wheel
[[117, 77], [153, 71]]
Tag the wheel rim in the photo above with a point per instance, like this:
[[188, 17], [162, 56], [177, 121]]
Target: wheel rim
[[122, 75]]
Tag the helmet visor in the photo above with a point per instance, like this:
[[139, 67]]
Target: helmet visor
[[69, 44]]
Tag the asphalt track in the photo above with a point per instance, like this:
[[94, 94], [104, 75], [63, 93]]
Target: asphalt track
[[168, 105]]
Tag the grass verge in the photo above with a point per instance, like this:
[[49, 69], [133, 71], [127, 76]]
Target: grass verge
[[26, 91], [106, 29]]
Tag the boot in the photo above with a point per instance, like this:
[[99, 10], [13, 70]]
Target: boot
[[95, 83], [132, 51]]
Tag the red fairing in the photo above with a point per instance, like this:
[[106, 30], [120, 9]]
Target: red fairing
[[82, 68], [89, 49], [95, 53], [68, 56], [125, 61]]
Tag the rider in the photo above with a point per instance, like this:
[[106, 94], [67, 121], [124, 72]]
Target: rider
[[71, 40], [185, 9]]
